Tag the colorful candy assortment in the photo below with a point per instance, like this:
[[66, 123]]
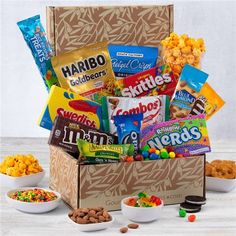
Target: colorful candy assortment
[[34, 195], [144, 200], [20, 165]]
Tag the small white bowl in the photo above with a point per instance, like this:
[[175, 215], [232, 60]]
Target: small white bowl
[[30, 207], [219, 184], [93, 226], [141, 214], [22, 181]]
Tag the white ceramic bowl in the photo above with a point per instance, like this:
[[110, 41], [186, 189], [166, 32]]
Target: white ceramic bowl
[[91, 227], [141, 214], [22, 181], [219, 184], [37, 207]]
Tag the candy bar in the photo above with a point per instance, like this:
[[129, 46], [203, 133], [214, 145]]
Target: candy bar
[[72, 106], [208, 102], [86, 71], [155, 81], [155, 109], [65, 133], [35, 37], [187, 136], [129, 60], [94, 152], [190, 83]]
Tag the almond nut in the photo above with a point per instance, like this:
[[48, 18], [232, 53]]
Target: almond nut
[[133, 226], [123, 230]]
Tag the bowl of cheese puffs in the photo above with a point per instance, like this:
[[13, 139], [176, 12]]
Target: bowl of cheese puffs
[[21, 171]]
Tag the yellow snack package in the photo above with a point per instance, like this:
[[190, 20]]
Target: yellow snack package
[[208, 102], [86, 71]]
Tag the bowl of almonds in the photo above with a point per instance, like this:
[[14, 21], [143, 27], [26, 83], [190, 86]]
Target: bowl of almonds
[[90, 219]]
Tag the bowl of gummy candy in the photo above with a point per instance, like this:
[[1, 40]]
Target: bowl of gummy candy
[[142, 208], [21, 171]]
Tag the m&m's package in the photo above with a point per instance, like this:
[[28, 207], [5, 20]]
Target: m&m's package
[[91, 153], [86, 71], [208, 102], [128, 60], [65, 133], [72, 106], [187, 136], [154, 108], [154, 81], [35, 37], [128, 129], [190, 83]]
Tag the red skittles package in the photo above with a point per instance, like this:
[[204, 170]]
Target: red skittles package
[[152, 82]]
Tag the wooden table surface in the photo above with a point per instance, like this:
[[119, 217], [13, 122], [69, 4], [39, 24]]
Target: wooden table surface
[[218, 216]]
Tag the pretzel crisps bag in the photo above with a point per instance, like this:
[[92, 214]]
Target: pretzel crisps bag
[[130, 59], [35, 37], [154, 108], [86, 71], [208, 102], [187, 91]]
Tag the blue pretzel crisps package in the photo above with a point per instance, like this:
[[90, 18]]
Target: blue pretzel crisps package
[[129, 60], [35, 37]]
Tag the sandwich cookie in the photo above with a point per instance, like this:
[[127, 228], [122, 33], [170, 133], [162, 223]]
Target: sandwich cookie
[[194, 199], [190, 208]]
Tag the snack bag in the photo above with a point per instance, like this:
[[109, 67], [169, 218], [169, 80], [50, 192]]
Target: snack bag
[[129, 60], [155, 109], [72, 106], [179, 50], [208, 102], [35, 37], [65, 133], [86, 71], [152, 82], [187, 136], [128, 129], [91, 153], [190, 83]]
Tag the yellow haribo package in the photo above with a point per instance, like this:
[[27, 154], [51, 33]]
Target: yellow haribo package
[[208, 102], [86, 71], [179, 50]]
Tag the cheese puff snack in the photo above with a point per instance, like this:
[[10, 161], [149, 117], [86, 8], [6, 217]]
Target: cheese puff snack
[[179, 50], [20, 165]]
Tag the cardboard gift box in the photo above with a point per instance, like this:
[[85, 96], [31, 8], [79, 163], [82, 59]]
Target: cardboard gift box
[[107, 184], [70, 28]]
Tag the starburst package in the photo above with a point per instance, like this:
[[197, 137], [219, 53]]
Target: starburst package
[[86, 71]]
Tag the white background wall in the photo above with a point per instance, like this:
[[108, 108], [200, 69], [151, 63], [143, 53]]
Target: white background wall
[[23, 94]]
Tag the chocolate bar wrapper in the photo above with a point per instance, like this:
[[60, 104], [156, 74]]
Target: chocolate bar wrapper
[[187, 136], [65, 133]]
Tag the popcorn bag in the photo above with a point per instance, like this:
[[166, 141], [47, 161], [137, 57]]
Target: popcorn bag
[[127, 104]]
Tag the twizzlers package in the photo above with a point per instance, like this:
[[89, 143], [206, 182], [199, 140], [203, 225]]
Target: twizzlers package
[[187, 136], [155, 109], [65, 133], [155, 81]]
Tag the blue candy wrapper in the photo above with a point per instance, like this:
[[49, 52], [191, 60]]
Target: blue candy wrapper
[[35, 37], [129, 60], [128, 129]]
